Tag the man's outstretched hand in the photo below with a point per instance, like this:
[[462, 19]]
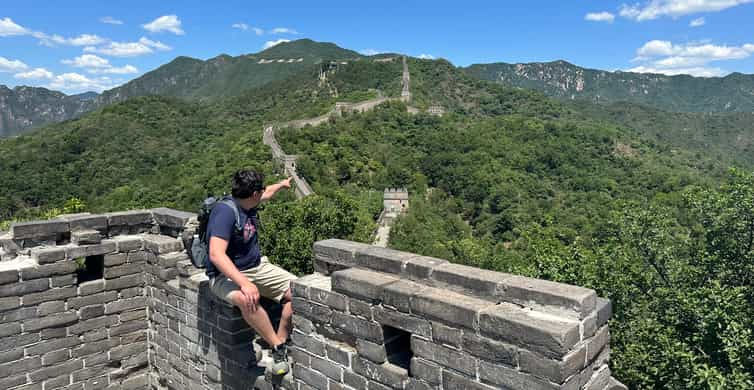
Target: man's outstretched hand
[[251, 296], [286, 183]]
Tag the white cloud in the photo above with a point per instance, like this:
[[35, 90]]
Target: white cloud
[[426, 56], [691, 58], [258, 31], [169, 23], [98, 65], [371, 52], [9, 28], [110, 20], [270, 44], [283, 30], [698, 22], [600, 17], [88, 61], [128, 49], [85, 40], [75, 82], [154, 44], [654, 9], [36, 74], [10, 66], [698, 71], [240, 26]]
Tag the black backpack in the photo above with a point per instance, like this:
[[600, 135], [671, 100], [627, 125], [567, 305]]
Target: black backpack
[[198, 248]]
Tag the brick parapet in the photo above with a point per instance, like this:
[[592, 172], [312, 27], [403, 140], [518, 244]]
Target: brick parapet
[[151, 321]]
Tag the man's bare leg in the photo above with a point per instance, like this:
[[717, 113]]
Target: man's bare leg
[[284, 329], [259, 320]]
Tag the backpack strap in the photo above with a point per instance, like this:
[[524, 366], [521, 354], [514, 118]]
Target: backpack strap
[[230, 203]]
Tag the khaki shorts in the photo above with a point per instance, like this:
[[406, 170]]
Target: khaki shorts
[[271, 280]]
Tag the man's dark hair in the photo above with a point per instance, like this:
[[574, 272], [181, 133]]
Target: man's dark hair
[[245, 182]]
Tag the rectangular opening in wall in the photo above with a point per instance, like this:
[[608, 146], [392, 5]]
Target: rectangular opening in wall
[[398, 347], [90, 268]]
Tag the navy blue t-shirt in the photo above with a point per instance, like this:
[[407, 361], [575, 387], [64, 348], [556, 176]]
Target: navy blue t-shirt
[[243, 248]]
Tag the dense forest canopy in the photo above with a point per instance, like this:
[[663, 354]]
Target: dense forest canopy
[[616, 200]]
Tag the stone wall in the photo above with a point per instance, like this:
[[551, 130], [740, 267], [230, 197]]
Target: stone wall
[[370, 318]]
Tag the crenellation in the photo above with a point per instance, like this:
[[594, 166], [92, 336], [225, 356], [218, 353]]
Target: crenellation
[[377, 318]]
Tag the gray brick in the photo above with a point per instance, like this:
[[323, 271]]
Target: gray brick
[[92, 347], [115, 259], [91, 287], [371, 351], [354, 380], [86, 222], [538, 333], [425, 370], [398, 294], [449, 307], [94, 323], [509, 377], [9, 303], [451, 381], [23, 288], [50, 308], [10, 329], [49, 295], [89, 312], [7, 383], [51, 321], [46, 255], [328, 368], [552, 297], [129, 218], [383, 259], [407, 322], [129, 243], [104, 247], [51, 345], [122, 270], [310, 377], [361, 283], [86, 237], [20, 366], [442, 334], [63, 280], [488, 349], [56, 357], [421, 267], [387, 374], [124, 282], [11, 275], [54, 383], [360, 308], [10, 342], [312, 311], [160, 244], [38, 229], [470, 280], [56, 370], [556, 371], [340, 353], [171, 218], [122, 351], [357, 327], [337, 251], [597, 343], [302, 324], [47, 270], [311, 344], [443, 356], [13, 354], [138, 257]]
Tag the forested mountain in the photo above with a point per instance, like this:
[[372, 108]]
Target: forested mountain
[[682, 93], [634, 203], [23, 108]]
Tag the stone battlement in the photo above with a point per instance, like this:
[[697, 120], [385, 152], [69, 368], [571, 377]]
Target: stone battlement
[[112, 301]]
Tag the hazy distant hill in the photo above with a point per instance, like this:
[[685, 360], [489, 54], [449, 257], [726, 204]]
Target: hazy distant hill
[[23, 107], [224, 75], [683, 93]]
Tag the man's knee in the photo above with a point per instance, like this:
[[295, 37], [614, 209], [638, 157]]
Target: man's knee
[[239, 301]]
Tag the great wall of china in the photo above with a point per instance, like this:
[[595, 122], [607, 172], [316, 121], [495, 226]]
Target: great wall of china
[[111, 301]]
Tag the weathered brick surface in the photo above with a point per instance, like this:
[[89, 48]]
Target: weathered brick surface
[[374, 317]]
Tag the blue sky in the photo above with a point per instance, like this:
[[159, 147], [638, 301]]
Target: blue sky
[[76, 46]]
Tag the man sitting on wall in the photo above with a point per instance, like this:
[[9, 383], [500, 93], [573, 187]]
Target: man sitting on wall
[[239, 273]]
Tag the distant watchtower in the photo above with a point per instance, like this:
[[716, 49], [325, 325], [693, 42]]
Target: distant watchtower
[[395, 200]]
